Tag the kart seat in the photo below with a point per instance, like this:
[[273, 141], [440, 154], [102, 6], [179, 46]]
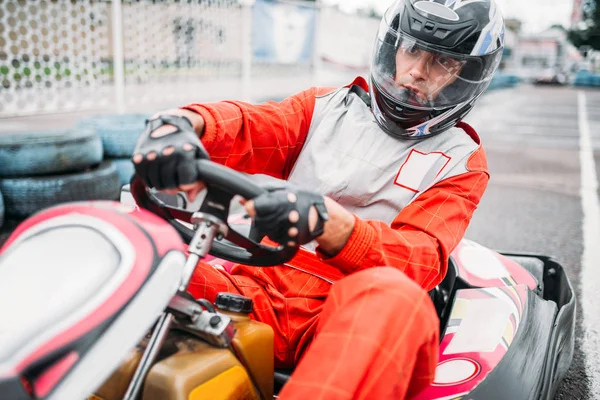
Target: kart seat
[[72, 280]]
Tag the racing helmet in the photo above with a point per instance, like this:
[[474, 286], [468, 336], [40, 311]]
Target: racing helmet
[[432, 59]]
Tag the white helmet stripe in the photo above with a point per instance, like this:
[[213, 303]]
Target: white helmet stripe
[[461, 3], [487, 36]]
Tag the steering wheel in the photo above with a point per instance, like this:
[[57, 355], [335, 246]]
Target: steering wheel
[[222, 185]]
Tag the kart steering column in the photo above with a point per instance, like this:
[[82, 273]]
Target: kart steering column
[[208, 227]]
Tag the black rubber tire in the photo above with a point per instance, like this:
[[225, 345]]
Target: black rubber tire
[[7, 229], [51, 152], [26, 196], [119, 133], [125, 168], [1, 210]]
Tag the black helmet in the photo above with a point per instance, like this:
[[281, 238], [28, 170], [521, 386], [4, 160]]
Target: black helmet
[[432, 60]]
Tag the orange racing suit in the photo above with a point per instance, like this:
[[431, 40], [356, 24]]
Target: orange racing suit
[[364, 315]]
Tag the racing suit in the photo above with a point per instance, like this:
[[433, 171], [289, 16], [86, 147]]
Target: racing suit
[[364, 313]]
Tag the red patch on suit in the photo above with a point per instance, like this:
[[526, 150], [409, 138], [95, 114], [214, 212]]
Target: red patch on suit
[[418, 167]]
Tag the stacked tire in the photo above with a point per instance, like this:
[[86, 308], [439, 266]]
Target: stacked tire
[[119, 134], [501, 80], [585, 78], [1, 210], [42, 169]]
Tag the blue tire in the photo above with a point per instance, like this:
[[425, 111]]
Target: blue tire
[[51, 152], [125, 169], [26, 196], [582, 78], [497, 82], [119, 133]]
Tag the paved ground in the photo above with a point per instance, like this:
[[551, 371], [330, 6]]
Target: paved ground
[[533, 202], [532, 136]]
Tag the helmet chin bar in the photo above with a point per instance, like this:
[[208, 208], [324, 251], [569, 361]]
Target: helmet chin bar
[[398, 119]]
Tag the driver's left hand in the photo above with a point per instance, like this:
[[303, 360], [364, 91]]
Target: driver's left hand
[[288, 215]]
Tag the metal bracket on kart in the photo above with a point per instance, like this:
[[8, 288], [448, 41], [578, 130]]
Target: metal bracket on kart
[[191, 316]]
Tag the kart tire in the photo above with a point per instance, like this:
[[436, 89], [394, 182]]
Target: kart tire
[[119, 133], [26, 196], [50, 152], [1, 210], [125, 169]]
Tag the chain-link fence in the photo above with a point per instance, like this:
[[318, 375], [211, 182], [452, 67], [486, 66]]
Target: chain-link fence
[[60, 55], [170, 47], [50, 51]]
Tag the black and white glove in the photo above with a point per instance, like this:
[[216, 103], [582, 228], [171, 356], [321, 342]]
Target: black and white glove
[[167, 161], [282, 213]]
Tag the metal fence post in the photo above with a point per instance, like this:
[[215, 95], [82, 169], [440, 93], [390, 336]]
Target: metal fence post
[[118, 57], [247, 53], [316, 51]]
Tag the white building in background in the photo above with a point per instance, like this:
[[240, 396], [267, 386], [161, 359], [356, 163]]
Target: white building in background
[[511, 41], [546, 54]]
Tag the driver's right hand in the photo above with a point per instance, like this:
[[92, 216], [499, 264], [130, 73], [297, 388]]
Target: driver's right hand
[[164, 158]]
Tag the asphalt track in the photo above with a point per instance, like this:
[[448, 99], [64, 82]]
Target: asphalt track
[[542, 192]]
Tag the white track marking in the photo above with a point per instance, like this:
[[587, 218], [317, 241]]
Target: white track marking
[[590, 261]]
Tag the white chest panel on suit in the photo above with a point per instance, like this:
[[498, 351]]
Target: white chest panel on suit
[[349, 158]]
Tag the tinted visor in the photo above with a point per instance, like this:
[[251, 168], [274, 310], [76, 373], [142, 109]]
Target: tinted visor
[[418, 75]]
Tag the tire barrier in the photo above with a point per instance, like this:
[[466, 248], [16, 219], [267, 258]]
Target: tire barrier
[[585, 78], [51, 152], [119, 133], [26, 196], [125, 169], [501, 81], [1, 211]]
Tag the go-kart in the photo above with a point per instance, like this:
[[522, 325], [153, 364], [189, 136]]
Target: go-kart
[[93, 304]]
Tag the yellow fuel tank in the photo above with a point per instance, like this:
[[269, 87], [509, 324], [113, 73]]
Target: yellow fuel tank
[[188, 368]]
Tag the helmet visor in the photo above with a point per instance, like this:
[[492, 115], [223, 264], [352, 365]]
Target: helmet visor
[[415, 74]]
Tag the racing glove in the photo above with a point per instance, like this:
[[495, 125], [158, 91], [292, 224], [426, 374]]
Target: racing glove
[[282, 213], [167, 161]]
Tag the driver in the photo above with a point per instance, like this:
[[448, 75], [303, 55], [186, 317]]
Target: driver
[[382, 181]]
